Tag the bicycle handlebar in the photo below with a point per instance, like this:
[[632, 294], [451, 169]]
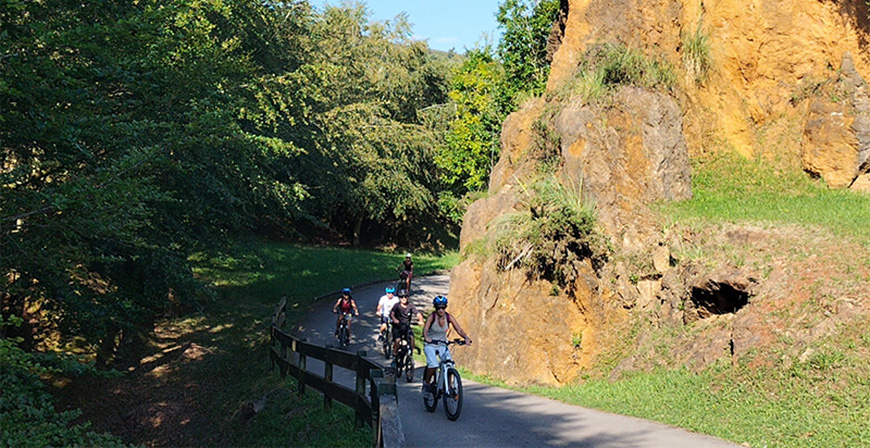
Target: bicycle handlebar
[[455, 341]]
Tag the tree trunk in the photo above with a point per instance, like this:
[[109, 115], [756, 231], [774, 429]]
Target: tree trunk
[[357, 228]]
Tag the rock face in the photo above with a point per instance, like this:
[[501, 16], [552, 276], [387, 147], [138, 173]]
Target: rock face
[[803, 62], [625, 155], [764, 56]]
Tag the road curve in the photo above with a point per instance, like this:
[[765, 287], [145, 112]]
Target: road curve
[[491, 416]]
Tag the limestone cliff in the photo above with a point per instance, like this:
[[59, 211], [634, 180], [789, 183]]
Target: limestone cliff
[[782, 79]]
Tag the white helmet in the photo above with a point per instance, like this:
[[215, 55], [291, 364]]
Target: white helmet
[[408, 255]]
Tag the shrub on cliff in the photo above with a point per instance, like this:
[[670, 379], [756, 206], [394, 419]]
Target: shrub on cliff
[[555, 229], [606, 66]]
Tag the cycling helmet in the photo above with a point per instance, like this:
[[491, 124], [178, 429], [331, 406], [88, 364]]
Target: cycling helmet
[[439, 301], [389, 290], [345, 291], [408, 255], [403, 293]]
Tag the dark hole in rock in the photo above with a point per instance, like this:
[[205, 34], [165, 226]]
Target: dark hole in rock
[[718, 298]]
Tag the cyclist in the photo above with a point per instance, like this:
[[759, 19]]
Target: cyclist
[[407, 268], [437, 327], [345, 304], [401, 315], [385, 305]]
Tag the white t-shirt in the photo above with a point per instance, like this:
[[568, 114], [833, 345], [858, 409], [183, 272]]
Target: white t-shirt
[[386, 303]]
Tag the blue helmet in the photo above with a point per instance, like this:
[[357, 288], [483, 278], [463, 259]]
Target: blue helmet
[[345, 291], [389, 290], [439, 301]]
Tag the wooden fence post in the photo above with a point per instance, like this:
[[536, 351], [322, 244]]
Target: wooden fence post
[[327, 375], [302, 371], [360, 389], [376, 375]]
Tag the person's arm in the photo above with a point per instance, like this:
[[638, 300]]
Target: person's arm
[[335, 307], [420, 317], [355, 309], [426, 327], [379, 311], [458, 328], [394, 315]]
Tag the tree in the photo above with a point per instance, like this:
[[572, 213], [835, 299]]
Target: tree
[[523, 48], [471, 143], [128, 143]]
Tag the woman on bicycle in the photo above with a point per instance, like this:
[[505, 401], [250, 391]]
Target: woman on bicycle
[[344, 305], [436, 328]]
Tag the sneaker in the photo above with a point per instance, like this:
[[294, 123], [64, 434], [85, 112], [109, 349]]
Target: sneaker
[[426, 389], [381, 337]]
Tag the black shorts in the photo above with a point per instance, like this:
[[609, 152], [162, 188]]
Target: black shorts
[[400, 330]]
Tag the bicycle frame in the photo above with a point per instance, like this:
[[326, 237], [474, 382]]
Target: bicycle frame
[[441, 374]]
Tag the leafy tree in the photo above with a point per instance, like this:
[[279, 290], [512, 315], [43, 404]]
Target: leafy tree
[[471, 143], [126, 146], [526, 25], [372, 159]]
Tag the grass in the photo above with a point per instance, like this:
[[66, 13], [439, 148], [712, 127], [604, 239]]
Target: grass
[[696, 54], [264, 271], [729, 188], [605, 66]]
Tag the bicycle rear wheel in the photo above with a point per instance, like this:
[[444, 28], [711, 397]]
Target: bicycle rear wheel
[[453, 395]]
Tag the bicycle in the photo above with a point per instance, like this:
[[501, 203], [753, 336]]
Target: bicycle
[[405, 357], [404, 281], [384, 338], [343, 332], [448, 384]]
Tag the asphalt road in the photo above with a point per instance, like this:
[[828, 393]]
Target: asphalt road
[[491, 416]]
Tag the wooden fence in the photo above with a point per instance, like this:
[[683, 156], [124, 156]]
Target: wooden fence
[[377, 408]]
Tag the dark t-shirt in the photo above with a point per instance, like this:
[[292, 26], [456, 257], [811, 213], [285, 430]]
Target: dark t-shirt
[[403, 314]]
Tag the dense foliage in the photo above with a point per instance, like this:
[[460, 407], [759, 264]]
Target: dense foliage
[[523, 48], [136, 133]]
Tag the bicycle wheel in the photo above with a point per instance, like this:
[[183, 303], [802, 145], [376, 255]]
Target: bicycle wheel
[[342, 336], [388, 348], [400, 359], [453, 395], [409, 366], [430, 400]]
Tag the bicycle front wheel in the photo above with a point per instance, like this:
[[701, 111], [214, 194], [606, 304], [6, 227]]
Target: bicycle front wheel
[[342, 336], [409, 367], [430, 400], [453, 395]]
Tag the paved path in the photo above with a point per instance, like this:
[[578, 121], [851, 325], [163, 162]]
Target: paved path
[[491, 416]]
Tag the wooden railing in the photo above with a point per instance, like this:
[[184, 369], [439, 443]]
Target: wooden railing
[[378, 408]]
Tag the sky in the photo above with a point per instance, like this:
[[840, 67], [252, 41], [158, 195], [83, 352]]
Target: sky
[[444, 24]]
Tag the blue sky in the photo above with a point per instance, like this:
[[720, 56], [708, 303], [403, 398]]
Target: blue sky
[[444, 24]]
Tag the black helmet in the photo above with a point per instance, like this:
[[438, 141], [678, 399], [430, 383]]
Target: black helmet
[[403, 293]]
